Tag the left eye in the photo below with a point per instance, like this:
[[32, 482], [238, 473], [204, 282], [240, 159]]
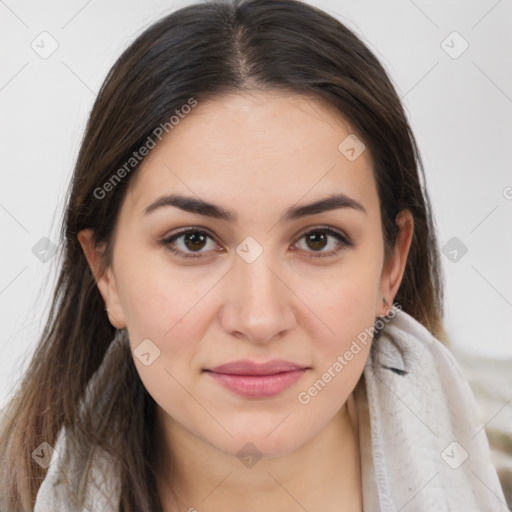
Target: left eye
[[319, 238], [195, 240]]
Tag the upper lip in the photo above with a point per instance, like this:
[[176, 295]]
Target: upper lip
[[247, 367]]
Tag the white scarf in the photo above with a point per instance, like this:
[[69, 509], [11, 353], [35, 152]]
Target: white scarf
[[423, 447]]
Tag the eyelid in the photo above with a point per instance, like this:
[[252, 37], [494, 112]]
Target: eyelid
[[190, 229], [323, 227]]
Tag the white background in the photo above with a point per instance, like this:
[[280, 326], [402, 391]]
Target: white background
[[460, 110]]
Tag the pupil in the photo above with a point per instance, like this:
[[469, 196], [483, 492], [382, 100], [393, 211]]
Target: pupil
[[194, 240], [317, 239]]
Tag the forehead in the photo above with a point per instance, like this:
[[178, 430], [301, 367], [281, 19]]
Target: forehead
[[258, 147]]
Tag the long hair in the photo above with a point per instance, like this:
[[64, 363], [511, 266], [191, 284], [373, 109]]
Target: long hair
[[195, 53]]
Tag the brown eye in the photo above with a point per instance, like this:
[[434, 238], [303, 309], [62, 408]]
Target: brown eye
[[185, 243], [318, 239], [194, 240]]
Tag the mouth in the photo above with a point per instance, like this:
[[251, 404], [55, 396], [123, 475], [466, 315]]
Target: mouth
[[256, 380]]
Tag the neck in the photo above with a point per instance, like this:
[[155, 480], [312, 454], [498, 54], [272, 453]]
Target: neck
[[322, 474]]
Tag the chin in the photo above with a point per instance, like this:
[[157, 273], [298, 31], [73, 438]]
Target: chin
[[258, 445]]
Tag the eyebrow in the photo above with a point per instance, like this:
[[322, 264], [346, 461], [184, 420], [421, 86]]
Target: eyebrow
[[200, 207]]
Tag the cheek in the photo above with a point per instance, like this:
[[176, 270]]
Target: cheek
[[165, 316], [159, 300], [342, 342], [345, 302], [166, 310], [341, 352]]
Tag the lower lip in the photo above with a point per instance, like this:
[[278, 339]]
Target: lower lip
[[258, 386]]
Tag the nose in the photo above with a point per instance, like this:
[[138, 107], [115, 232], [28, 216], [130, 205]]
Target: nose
[[260, 304]]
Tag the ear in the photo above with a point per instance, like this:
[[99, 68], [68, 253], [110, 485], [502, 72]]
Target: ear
[[394, 268], [105, 281]]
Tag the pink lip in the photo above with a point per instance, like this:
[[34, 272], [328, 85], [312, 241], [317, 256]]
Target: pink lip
[[255, 380]]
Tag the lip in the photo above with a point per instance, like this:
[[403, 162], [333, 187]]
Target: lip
[[248, 367], [257, 380]]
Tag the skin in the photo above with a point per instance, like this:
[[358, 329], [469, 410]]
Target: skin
[[256, 154]]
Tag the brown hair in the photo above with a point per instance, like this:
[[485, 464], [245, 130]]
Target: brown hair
[[199, 51]]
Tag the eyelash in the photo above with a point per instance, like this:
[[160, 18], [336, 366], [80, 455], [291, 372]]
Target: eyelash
[[344, 241]]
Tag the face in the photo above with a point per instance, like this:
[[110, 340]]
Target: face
[[197, 290]]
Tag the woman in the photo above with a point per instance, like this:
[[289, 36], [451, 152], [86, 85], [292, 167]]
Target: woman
[[246, 206]]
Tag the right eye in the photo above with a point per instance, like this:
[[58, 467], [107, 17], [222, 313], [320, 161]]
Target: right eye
[[193, 240]]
